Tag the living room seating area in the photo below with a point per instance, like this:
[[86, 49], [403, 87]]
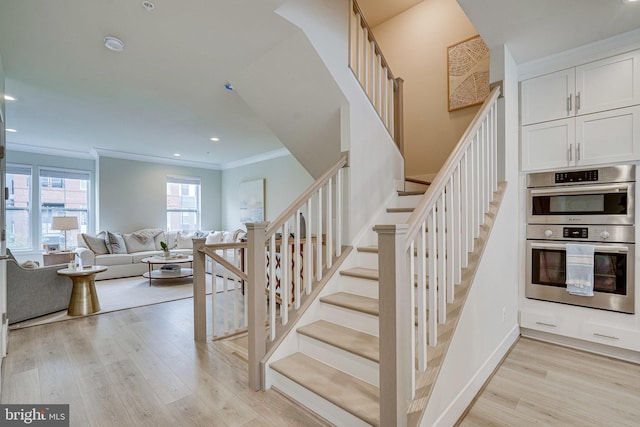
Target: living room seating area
[[123, 253]]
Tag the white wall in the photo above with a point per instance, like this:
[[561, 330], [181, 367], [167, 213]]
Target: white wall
[[133, 195], [285, 179], [415, 44], [488, 324], [374, 159]]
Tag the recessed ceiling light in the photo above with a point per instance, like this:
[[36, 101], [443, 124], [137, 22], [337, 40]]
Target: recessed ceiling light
[[148, 5], [11, 130], [9, 97], [177, 154], [114, 43], [215, 139]]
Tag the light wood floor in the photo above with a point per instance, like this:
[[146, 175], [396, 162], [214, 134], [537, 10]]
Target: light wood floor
[[548, 385], [141, 367]]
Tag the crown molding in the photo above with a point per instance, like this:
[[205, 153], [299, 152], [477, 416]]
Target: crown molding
[[12, 146], [281, 152], [96, 153]]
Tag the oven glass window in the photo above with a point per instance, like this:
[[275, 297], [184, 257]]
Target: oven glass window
[[609, 276], [585, 204]]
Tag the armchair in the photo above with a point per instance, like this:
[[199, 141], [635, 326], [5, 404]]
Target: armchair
[[34, 292]]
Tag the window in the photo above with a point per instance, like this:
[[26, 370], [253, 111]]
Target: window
[[18, 207], [63, 193], [183, 203]]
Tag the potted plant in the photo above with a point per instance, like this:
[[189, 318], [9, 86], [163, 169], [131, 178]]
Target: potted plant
[[165, 249]]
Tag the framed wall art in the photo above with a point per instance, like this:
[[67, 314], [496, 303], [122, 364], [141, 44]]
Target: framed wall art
[[252, 201], [467, 73]]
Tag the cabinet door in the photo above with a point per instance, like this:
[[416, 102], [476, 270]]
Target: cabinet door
[[547, 97], [548, 145], [611, 136], [609, 83]]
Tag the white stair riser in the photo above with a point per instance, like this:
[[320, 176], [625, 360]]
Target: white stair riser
[[353, 319], [315, 403], [363, 287], [405, 201], [367, 259], [395, 217], [354, 365]]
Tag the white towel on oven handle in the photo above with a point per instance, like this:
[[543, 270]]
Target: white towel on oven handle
[[579, 269]]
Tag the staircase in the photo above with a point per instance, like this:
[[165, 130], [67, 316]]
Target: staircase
[[335, 370], [337, 357]]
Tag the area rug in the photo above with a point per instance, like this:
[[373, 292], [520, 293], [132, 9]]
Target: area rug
[[125, 293]]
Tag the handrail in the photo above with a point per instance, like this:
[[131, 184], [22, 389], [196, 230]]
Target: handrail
[[443, 226], [365, 24], [438, 183], [209, 250], [302, 199]]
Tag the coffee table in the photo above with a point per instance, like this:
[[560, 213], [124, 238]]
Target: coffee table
[[84, 299], [167, 274]]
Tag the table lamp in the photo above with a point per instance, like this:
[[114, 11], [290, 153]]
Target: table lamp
[[65, 223]]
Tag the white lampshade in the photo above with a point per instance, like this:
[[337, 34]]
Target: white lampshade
[[64, 223]]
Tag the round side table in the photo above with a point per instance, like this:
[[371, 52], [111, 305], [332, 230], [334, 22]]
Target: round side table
[[84, 299]]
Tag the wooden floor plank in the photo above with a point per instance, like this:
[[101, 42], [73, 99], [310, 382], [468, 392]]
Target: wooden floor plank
[[139, 367]]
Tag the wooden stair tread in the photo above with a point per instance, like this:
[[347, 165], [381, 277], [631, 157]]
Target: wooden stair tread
[[353, 302], [400, 210], [410, 193], [361, 273], [355, 342], [349, 393]]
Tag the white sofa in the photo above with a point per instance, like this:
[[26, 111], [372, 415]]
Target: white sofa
[[123, 253]]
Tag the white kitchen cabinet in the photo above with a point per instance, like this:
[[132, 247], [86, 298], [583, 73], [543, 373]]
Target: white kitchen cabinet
[[610, 335], [602, 85], [546, 97], [610, 136]]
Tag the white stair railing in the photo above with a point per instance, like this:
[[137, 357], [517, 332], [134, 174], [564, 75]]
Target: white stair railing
[[371, 69], [279, 265], [422, 260]]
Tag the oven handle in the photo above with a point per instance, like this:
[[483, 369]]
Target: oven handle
[[616, 188], [561, 246]]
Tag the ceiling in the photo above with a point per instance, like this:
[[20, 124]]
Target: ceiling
[[165, 93]]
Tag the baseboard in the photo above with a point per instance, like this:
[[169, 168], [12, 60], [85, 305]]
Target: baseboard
[[459, 405], [588, 346]]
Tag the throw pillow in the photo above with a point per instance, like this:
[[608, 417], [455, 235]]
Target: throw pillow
[[30, 264], [134, 245], [145, 234], [115, 243], [184, 240], [96, 244], [214, 237]]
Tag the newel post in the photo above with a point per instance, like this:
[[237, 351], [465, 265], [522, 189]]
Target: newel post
[[396, 359], [256, 300], [199, 292]]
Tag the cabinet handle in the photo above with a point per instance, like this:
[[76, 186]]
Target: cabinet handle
[[578, 151], [577, 102], [546, 324], [569, 102], [570, 152], [611, 337]]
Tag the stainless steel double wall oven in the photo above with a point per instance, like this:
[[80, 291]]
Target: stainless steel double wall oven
[[596, 207]]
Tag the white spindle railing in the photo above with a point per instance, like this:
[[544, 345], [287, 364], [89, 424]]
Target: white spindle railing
[[372, 71], [279, 265], [420, 262]]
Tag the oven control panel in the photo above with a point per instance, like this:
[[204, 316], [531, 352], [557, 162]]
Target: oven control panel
[[575, 232], [576, 176]]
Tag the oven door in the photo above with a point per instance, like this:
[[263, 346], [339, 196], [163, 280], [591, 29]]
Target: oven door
[[582, 204], [613, 275]]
